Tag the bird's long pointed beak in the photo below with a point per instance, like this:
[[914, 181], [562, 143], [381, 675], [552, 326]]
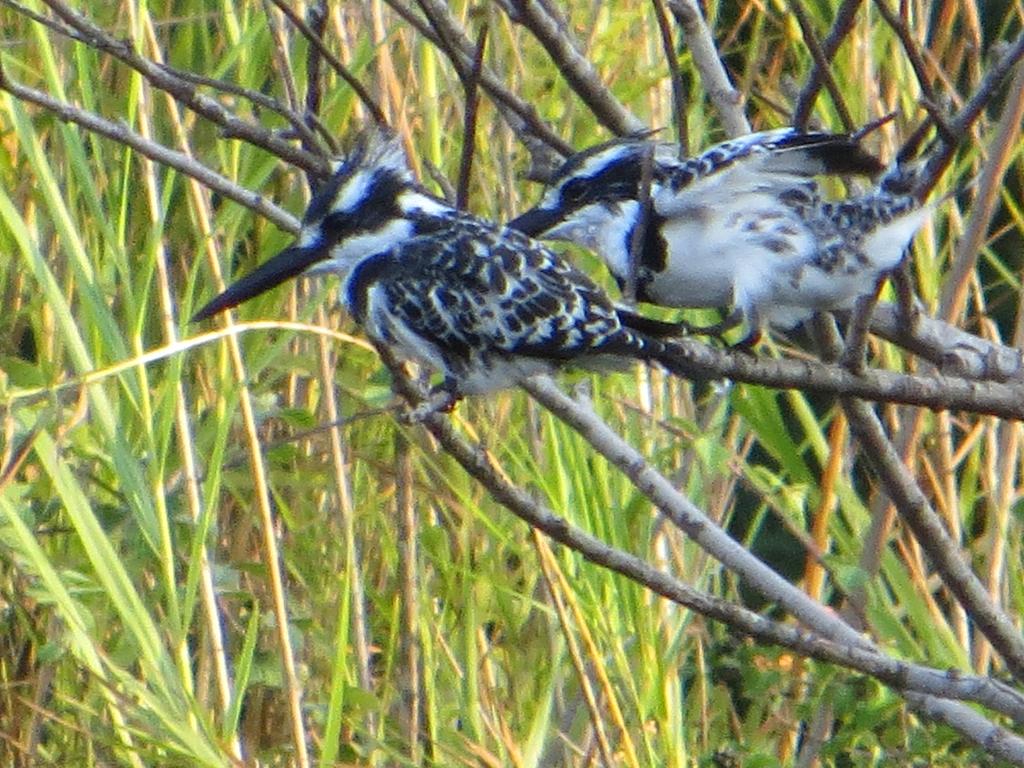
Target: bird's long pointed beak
[[287, 264], [535, 222]]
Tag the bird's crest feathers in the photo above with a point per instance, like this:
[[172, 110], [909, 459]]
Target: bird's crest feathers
[[379, 147]]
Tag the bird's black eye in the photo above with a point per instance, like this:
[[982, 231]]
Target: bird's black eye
[[574, 191]]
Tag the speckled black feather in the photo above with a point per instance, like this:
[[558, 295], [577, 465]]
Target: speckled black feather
[[465, 286]]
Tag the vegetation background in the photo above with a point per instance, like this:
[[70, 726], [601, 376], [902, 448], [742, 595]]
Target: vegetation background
[[222, 547]]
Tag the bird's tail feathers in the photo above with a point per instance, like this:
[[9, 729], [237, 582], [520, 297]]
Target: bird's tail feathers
[[670, 355], [813, 154], [648, 326]]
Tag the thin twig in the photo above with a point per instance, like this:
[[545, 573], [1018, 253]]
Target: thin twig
[[940, 158], [720, 90], [469, 127], [930, 533], [1002, 150], [930, 101], [339, 67], [295, 120], [846, 16], [552, 32], [280, 54], [234, 89], [442, 30], [52, 24], [316, 21], [822, 65], [675, 78], [172, 158], [186, 93]]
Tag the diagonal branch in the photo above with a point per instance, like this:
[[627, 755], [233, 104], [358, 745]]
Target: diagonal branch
[[172, 158], [846, 15], [553, 33], [930, 101], [931, 534], [186, 93], [990, 187], [720, 90], [961, 123], [821, 66], [442, 30], [859, 655], [336, 64], [298, 124], [676, 78]]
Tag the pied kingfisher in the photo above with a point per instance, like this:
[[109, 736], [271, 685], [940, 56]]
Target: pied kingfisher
[[741, 226], [485, 305]]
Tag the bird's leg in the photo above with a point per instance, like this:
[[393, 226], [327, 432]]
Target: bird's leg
[[730, 321], [750, 317], [750, 341], [442, 399]]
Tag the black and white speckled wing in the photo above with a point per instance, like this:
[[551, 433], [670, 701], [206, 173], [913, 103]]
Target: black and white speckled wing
[[870, 232], [466, 297], [841, 250], [759, 164]]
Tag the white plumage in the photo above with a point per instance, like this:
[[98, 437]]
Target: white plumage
[[742, 226]]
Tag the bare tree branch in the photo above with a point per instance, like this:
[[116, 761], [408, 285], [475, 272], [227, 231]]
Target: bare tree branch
[[470, 84], [912, 49], [154, 151], [51, 24], [255, 97], [821, 64], [939, 159], [444, 32], [186, 93], [931, 534], [302, 127], [337, 65], [852, 650], [316, 21], [950, 349], [553, 33], [675, 76], [846, 15], [723, 95], [995, 740], [935, 392]]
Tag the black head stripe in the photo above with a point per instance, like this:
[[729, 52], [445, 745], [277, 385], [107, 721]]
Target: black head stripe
[[378, 206]]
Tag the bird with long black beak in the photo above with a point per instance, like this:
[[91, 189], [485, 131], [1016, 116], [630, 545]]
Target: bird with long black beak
[[485, 305]]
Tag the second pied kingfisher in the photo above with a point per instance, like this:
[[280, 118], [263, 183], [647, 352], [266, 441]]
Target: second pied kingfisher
[[485, 305], [742, 226]]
